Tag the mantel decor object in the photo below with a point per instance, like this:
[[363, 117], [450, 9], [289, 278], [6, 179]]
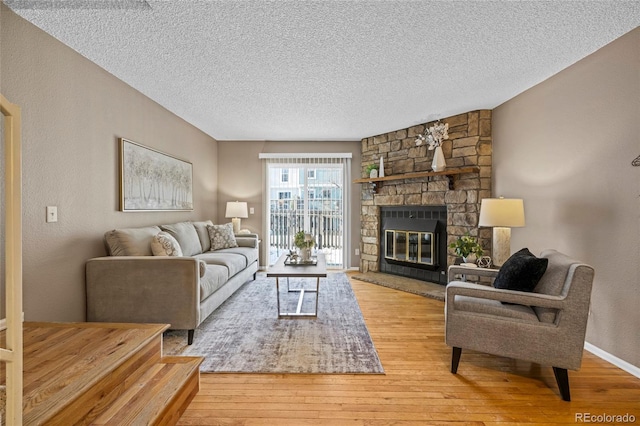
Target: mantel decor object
[[439, 163], [434, 136], [371, 171]]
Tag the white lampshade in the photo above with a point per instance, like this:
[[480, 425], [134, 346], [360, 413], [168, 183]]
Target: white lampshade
[[237, 209], [505, 212], [502, 214]]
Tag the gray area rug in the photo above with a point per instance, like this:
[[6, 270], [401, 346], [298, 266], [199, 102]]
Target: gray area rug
[[409, 285], [244, 335]]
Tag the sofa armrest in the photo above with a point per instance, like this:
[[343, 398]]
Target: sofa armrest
[[455, 288], [144, 289], [245, 241]]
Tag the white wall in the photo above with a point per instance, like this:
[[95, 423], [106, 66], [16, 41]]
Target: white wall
[[566, 146], [73, 113]]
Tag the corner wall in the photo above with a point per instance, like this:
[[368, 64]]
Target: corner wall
[[73, 112], [565, 146]]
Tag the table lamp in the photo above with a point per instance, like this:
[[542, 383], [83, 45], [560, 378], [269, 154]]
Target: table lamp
[[236, 210], [502, 214]]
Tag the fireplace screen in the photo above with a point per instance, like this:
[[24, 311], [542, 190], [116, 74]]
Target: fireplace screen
[[410, 246]]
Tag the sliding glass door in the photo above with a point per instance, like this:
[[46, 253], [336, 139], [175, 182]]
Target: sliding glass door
[[307, 194]]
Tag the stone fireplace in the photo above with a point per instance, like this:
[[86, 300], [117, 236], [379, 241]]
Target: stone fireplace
[[456, 197]]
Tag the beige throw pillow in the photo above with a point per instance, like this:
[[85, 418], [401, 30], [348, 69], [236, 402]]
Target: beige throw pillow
[[163, 244], [222, 236]]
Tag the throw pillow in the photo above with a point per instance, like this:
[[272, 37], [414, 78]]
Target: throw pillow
[[521, 271], [222, 236], [163, 244]]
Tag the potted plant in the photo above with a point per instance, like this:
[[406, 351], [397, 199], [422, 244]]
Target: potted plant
[[369, 171], [305, 242], [467, 248]]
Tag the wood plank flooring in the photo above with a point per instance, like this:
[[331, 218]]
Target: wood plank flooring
[[417, 389]]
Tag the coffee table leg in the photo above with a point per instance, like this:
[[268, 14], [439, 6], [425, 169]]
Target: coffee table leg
[[317, 294], [278, 295], [302, 292]]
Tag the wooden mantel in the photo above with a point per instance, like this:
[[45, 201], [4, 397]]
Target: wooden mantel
[[449, 173]]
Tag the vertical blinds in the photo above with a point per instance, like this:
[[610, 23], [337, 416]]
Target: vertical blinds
[[310, 192]]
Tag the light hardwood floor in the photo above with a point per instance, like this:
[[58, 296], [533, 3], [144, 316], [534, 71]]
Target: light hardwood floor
[[417, 389]]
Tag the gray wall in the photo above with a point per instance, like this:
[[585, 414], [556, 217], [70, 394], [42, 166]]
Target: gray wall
[[566, 146], [240, 175], [73, 112]]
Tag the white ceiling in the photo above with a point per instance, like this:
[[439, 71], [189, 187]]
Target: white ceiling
[[329, 70]]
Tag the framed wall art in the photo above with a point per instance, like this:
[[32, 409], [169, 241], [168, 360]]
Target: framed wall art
[[151, 180]]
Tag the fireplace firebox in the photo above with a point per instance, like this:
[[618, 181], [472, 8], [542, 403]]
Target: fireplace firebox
[[414, 242]]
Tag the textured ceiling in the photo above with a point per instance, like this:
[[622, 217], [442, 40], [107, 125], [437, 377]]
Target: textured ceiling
[[329, 70]]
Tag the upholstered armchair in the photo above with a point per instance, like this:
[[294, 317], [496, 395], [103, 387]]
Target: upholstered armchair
[[545, 326]]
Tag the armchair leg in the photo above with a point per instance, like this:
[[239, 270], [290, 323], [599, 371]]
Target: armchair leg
[[455, 359], [562, 378], [190, 336]]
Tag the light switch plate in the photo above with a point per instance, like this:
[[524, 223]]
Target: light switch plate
[[52, 214], [251, 210]]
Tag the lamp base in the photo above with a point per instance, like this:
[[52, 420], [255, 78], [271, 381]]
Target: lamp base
[[236, 224], [501, 245]]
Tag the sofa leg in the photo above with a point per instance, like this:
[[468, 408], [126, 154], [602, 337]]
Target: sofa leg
[[562, 378], [190, 336], [455, 359], [255, 275]]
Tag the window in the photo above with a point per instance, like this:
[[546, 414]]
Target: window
[[284, 176], [311, 173]]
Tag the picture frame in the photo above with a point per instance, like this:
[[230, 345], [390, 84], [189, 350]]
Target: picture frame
[[151, 180]]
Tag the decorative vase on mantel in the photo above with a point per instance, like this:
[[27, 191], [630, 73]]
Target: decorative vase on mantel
[[438, 164]]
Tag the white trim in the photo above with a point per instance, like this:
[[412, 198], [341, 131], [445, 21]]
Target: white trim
[[3, 322], [271, 156], [612, 359]]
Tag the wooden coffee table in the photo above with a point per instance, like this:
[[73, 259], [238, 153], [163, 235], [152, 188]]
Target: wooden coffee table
[[281, 270]]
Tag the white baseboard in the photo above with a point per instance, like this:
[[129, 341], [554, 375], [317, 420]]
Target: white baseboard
[[612, 359]]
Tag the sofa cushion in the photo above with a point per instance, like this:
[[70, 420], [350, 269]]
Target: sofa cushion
[[250, 254], [232, 261], [130, 241], [203, 234], [186, 235], [552, 283], [214, 278], [521, 271], [222, 236], [163, 244]]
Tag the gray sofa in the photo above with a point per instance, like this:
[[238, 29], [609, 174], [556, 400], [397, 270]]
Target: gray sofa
[[132, 285]]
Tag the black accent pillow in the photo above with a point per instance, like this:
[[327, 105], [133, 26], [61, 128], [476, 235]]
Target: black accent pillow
[[521, 271]]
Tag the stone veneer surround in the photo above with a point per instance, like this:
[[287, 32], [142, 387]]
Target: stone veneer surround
[[469, 144]]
